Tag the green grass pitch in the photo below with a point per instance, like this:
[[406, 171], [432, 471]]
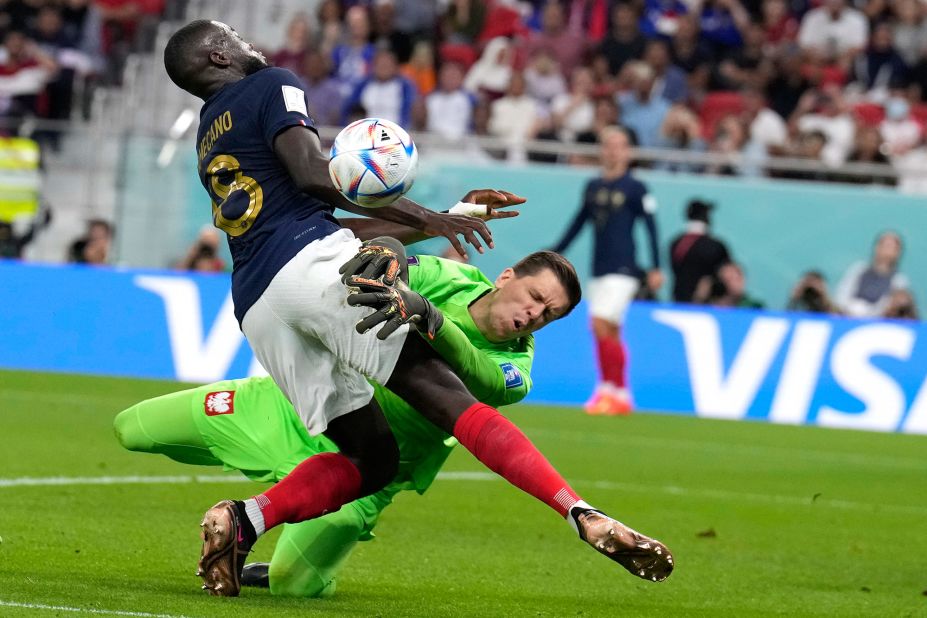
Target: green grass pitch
[[763, 520]]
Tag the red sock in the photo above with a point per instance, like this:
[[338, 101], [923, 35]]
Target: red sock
[[505, 450], [611, 360], [318, 485]]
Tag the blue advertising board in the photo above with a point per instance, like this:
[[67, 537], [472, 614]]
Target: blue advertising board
[[719, 363]]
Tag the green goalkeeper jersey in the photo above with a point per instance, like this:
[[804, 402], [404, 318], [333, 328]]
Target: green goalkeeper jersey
[[497, 374]]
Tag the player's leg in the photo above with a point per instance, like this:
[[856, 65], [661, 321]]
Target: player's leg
[[295, 329], [428, 385], [165, 425], [309, 554], [609, 298]]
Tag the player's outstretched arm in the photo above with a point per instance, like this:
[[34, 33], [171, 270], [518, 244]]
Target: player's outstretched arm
[[485, 204], [300, 151]]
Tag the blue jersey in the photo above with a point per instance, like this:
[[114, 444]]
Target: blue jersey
[[613, 206], [268, 220]]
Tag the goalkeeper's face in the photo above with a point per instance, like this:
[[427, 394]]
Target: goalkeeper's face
[[521, 305]]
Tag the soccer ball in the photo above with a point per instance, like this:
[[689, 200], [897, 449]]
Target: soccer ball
[[373, 162]]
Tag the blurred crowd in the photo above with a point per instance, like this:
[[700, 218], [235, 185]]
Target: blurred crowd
[[830, 81], [704, 272], [54, 51]]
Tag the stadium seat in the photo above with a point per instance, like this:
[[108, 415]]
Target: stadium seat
[[715, 106]]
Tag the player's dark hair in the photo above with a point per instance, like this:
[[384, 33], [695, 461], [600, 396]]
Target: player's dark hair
[[557, 264], [182, 46]]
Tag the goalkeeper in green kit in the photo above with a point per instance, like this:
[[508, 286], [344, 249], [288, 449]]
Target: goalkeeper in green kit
[[481, 328]]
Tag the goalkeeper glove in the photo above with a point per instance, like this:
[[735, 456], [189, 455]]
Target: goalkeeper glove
[[380, 257], [395, 306]]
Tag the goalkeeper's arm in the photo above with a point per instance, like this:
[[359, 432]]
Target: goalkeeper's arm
[[483, 375]]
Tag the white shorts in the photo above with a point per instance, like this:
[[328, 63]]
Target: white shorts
[[610, 296], [302, 331]]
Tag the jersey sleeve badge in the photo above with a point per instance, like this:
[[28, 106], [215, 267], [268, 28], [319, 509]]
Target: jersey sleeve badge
[[513, 378], [295, 100]]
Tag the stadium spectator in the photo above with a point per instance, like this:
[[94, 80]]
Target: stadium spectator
[[661, 17], [901, 306], [515, 117], [463, 21], [127, 26], [614, 202], [868, 148], [880, 67], [681, 130], [733, 140], [899, 131], [543, 78], [669, 80], [606, 115], [687, 49], [909, 32], [587, 19], [556, 39], [24, 72], [723, 23], [640, 110], [420, 69], [330, 25], [353, 57], [385, 32], [727, 289], [833, 32], [766, 126], [810, 294], [573, 113], [865, 289], [624, 41], [61, 46], [491, 74], [94, 246], [748, 65], [450, 107], [808, 145], [203, 254], [322, 90], [785, 90], [780, 28], [603, 82], [825, 111], [386, 93], [695, 253], [415, 18], [296, 43]]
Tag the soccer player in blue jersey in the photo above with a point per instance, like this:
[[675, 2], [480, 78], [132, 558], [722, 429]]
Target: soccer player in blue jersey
[[260, 160], [614, 202]]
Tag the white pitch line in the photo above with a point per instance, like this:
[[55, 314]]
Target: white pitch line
[[27, 481], [465, 475], [88, 610]]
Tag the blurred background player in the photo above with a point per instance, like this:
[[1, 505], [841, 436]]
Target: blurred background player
[[250, 426], [614, 202]]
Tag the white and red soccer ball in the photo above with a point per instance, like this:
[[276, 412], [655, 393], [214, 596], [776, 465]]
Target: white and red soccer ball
[[373, 162]]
